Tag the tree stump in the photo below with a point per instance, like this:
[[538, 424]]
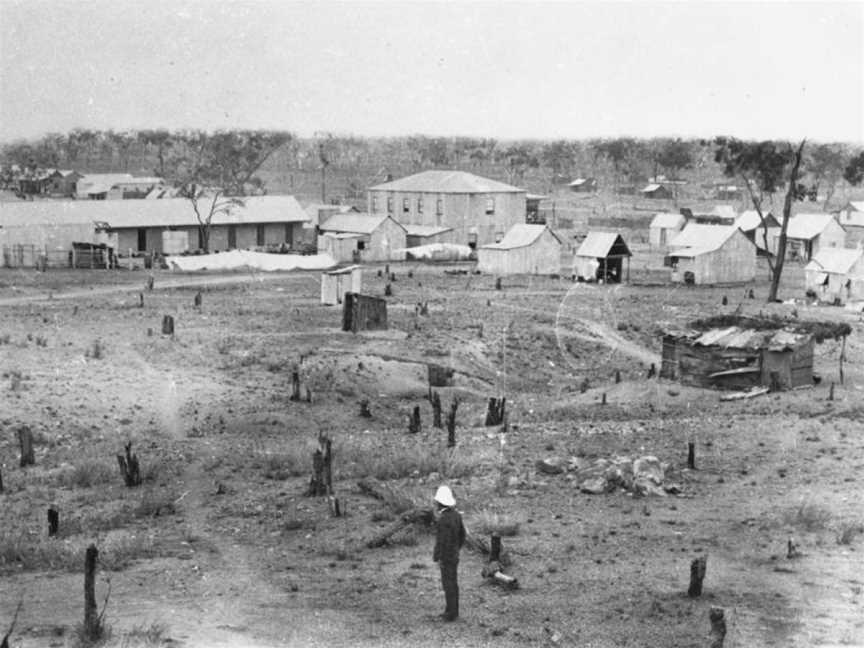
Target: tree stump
[[1, 481], [494, 569], [129, 467], [750, 294], [436, 410], [725, 301], [498, 283], [414, 421], [140, 300], [451, 423], [53, 522], [295, 385], [387, 269], [167, 325], [364, 409], [617, 376], [92, 626], [495, 411], [393, 277], [321, 482], [652, 370], [697, 574], [25, 442], [150, 282], [583, 386], [717, 616], [198, 299], [691, 455], [831, 392], [388, 290], [603, 402]]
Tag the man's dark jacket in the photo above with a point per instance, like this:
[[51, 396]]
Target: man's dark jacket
[[450, 537]]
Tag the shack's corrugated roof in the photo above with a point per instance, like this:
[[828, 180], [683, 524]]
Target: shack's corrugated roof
[[354, 223], [807, 226], [749, 220], [436, 181], [725, 211], [520, 235], [734, 337], [599, 245], [169, 212], [426, 230], [835, 260], [666, 220], [857, 205], [651, 187], [578, 182], [704, 238]]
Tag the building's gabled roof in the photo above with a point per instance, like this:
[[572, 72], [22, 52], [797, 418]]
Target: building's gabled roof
[[735, 337], [458, 182], [103, 178], [697, 239], [170, 212], [749, 220], [520, 235], [140, 180], [665, 220], [354, 223], [724, 211], [808, 226], [855, 205], [426, 230], [314, 208], [600, 245], [651, 187], [578, 182], [835, 260]]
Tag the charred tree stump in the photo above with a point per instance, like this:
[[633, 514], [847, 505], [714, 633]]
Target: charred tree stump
[[652, 370], [725, 301], [495, 411], [198, 299], [436, 410], [53, 522], [414, 421], [498, 283], [393, 277], [295, 385], [336, 508], [364, 409], [321, 483], [150, 282], [697, 574], [603, 402], [617, 376], [168, 325], [388, 290], [717, 616], [751, 294], [1, 481], [140, 300], [387, 269], [25, 443], [451, 423], [494, 570], [691, 456], [583, 386], [328, 463], [129, 467], [831, 392], [92, 626]]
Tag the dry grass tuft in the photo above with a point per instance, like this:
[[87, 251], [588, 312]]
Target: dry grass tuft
[[847, 532], [150, 635], [809, 517]]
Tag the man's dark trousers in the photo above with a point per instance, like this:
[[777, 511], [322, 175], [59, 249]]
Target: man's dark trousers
[[451, 589]]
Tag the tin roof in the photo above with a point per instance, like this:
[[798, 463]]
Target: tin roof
[[425, 230], [734, 337], [520, 235], [459, 182], [702, 238], [599, 245], [666, 220], [835, 260], [807, 226], [169, 212], [749, 220], [353, 223]]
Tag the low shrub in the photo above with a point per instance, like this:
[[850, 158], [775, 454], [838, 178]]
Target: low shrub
[[848, 531], [150, 635], [86, 474], [489, 523], [809, 517]]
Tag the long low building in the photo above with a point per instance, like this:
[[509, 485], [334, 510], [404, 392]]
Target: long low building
[[167, 226]]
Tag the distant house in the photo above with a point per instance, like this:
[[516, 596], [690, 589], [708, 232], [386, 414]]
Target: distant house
[[711, 254], [62, 182], [150, 226], [319, 212], [34, 181], [583, 185], [806, 234], [736, 357], [755, 230], [525, 249], [532, 209], [600, 258], [115, 186], [362, 238], [836, 275], [719, 215], [664, 227], [336, 283], [727, 192], [851, 217], [656, 192], [479, 210]]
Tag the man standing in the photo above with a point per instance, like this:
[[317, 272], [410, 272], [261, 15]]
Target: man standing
[[448, 542]]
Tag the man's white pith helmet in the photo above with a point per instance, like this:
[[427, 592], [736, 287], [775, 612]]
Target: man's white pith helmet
[[444, 497]]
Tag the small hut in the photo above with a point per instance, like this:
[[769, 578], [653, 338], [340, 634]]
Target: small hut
[[664, 226], [755, 230], [336, 283], [806, 234], [656, 192], [363, 313], [525, 249], [711, 254], [600, 257], [836, 275], [583, 185]]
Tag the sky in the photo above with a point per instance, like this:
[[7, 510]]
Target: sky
[[505, 69]]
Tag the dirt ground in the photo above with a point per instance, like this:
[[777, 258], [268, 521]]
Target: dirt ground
[[219, 546]]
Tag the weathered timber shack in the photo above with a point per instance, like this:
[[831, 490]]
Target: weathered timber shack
[[738, 358]]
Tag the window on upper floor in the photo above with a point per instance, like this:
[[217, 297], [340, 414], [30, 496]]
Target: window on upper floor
[[490, 205], [419, 205], [389, 204], [406, 206], [439, 207], [374, 204]]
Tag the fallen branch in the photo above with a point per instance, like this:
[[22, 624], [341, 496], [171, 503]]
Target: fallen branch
[[394, 500], [413, 516], [759, 391], [5, 642]]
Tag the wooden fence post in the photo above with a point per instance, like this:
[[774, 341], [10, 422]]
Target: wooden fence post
[[25, 441], [691, 455], [53, 522], [92, 628]]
